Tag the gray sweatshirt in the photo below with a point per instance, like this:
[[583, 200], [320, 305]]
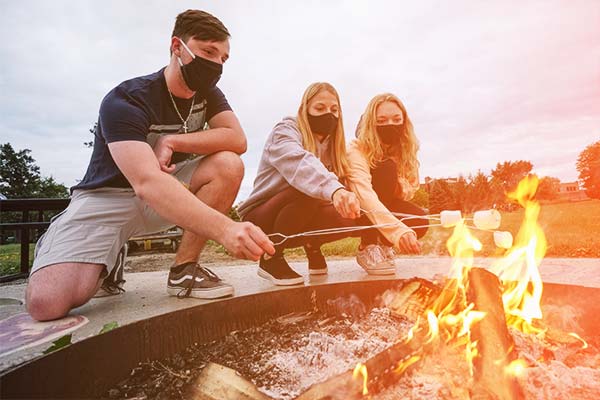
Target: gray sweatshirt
[[286, 163]]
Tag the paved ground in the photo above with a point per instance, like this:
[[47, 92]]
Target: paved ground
[[146, 296]]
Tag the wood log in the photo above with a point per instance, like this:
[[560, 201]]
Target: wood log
[[217, 382], [494, 343]]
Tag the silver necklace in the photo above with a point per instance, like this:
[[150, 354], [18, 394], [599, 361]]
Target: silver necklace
[[185, 127]]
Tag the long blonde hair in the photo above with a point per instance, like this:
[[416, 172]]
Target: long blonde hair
[[338, 150], [404, 154]]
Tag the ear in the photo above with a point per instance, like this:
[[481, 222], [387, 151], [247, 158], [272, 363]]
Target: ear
[[175, 46]]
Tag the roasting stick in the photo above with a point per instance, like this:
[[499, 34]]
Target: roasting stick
[[486, 221]]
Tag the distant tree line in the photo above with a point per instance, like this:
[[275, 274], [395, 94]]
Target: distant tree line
[[480, 191]]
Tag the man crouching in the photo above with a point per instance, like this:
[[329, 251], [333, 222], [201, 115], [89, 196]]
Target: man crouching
[[152, 167]]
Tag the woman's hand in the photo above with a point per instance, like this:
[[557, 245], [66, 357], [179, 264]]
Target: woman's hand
[[346, 203], [408, 243]]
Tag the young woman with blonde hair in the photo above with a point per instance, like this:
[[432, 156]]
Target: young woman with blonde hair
[[300, 183], [384, 174]]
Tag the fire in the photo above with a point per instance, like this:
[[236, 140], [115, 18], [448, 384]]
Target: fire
[[516, 368], [361, 369], [518, 270], [584, 344]]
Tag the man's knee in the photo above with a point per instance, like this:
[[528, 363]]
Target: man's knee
[[228, 165], [45, 305], [54, 290]]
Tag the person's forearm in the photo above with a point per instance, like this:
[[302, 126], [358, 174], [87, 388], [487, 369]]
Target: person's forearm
[[208, 142], [170, 199]]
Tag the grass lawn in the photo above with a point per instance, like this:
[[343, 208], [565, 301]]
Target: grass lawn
[[10, 258], [572, 230]]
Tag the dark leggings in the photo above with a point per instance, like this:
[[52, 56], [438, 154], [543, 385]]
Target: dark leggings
[[385, 183], [291, 211]]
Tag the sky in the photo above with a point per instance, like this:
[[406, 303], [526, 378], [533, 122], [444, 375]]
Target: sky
[[483, 82]]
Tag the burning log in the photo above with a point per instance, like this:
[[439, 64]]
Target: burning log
[[494, 343], [217, 382]]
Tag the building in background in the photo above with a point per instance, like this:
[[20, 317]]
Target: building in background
[[571, 191]]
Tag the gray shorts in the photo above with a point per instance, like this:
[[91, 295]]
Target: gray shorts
[[98, 222]]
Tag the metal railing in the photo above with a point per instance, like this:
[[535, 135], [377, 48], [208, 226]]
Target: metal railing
[[27, 207]]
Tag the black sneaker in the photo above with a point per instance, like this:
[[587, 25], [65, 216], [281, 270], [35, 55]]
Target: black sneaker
[[192, 280], [113, 283], [278, 271], [316, 262]]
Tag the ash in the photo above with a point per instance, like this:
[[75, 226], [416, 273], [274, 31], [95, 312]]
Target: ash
[[332, 349]]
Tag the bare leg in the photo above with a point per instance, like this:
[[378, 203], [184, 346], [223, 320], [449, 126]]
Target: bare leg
[[216, 182], [56, 289]]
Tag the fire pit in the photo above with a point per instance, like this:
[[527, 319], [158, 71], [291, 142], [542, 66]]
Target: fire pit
[[478, 335], [92, 367]]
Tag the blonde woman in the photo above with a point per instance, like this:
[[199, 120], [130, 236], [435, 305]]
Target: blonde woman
[[384, 174], [300, 183]]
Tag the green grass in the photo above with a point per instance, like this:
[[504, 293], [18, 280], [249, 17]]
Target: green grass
[[10, 258], [572, 230]]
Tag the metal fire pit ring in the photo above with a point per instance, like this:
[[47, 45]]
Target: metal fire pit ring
[[91, 366]]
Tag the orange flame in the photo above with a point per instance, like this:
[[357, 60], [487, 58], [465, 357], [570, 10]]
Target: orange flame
[[584, 344], [518, 270], [516, 368], [361, 369]]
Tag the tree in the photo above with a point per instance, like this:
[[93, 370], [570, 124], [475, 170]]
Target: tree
[[505, 178], [479, 194], [20, 176], [421, 198], [92, 130], [459, 193], [440, 197], [588, 166], [548, 188]]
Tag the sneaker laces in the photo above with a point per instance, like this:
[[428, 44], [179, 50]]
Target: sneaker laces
[[209, 274], [375, 254], [183, 293]]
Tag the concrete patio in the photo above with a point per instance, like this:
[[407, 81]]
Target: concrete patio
[[146, 296]]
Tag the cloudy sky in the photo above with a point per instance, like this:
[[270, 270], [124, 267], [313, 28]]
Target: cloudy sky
[[483, 82]]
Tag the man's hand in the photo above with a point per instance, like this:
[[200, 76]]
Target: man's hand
[[408, 243], [246, 240], [164, 151], [346, 203]]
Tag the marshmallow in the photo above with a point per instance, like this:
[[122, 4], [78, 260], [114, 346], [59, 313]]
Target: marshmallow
[[450, 218], [503, 239], [487, 219]]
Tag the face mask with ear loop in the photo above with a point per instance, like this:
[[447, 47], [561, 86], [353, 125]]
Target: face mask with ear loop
[[389, 134], [200, 75]]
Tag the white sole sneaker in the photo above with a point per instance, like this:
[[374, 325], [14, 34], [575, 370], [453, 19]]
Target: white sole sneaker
[[381, 271], [206, 294], [315, 271], [279, 282]]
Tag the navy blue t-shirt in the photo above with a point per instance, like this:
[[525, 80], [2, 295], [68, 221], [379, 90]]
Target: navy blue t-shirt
[[141, 109]]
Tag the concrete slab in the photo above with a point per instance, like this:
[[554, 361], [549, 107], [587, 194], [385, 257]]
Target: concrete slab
[[146, 295]]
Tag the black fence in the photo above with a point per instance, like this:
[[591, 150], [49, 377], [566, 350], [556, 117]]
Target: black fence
[[34, 216]]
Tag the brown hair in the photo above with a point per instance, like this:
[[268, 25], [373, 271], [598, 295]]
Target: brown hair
[[199, 25]]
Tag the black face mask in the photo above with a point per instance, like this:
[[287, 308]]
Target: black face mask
[[325, 124], [389, 134], [201, 74]]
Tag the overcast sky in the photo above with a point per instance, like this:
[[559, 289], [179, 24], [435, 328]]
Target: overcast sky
[[483, 82]]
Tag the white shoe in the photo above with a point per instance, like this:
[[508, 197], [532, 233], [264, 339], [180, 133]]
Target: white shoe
[[389, 253], [374, 260]]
